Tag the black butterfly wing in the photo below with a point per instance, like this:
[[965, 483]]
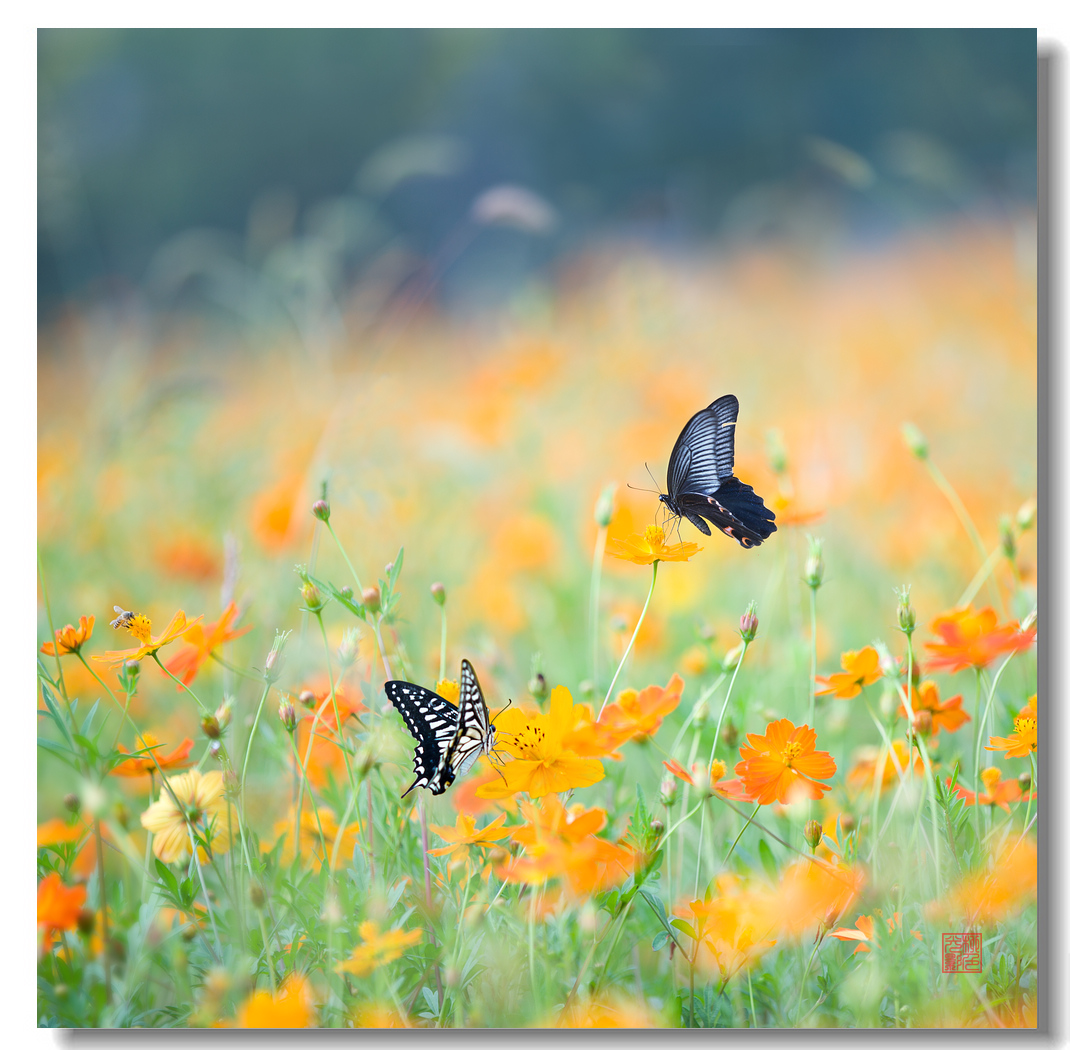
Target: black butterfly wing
[[736, 509], [705, 452], [431, 720], [473, 736]]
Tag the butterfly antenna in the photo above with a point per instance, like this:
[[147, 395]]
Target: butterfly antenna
[[506, 708], [652, 478], [636, 488]]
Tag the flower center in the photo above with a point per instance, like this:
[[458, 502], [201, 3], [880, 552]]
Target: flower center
[[654, 536], [792, 750], [141, 628], [1023, 726], [990, 779]]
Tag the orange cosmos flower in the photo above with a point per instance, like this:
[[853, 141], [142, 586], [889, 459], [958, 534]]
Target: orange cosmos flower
[[996, 792], [55, 832], [863, 932], [201, 641], [70, 639], [945, 715], [377, 949], [864, 772], [783, 765], [974, 639], [732, 929], [609, 1012], [290, 1007], [541, 761], [564, 843], [996, 893], [58, 905], [141, 764], [650, 547], [810, 893], [860, 669], [1023, 740], [464, 835], [312, 846], [464, 795], [140, 627], [202, 808], [633, 716]]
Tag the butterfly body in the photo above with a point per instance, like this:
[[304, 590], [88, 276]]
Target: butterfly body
[[700, 480], [449, 739]]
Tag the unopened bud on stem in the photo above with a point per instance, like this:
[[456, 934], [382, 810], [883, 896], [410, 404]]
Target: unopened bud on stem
[[371, 599], [814, 570], [915, 441], [748, 623], [322, 510], [438, 592]]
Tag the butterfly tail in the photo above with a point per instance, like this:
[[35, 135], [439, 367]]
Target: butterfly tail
[[410, 787]]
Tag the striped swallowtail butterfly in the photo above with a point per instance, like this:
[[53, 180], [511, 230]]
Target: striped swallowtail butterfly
[[701, 483], [449, 739]]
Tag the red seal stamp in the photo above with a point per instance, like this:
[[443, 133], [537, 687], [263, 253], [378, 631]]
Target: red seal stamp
[[961, 952]]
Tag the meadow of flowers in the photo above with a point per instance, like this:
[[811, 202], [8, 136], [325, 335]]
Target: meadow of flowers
[[734, 788]]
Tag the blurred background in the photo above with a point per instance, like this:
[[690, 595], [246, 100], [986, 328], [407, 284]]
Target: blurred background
[[469, 278]]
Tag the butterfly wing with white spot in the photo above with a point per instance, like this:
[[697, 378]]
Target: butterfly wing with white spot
[[432, 721]]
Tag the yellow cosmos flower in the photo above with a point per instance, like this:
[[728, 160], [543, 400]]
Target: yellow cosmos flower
[[140, 627], [464, 835], [377, 949], [449, 690], [201, 807], [541, 763], [290, 1007], [860, 669], [311, 845], [1023, 740], [650, 547]]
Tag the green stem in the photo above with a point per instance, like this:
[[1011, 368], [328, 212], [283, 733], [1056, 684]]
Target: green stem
[[802, 982], [204, 890], [442, 646], [52, 630], [813, 656], [334, 704], [727, 697], [103, 909], [750, 819], [596, 585], [349, 564], [639, 623], [178, 681], [236, 670], [252, 737]]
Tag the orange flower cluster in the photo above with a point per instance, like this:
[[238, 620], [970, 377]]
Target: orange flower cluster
[[860, 669], [58, 906], [996, 792], [989, 896], [202, 641], [1023, 741], [632, 716], [947, 714], [864, 930], [376, 949], [70, 639], [141, 765], [783, 765], [560, 843], [542, 761], [974, 639]]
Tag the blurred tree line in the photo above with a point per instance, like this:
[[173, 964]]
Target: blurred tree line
[[387, 137]]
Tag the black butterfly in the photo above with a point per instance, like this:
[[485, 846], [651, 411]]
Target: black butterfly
[[701, 483], [448, 739]]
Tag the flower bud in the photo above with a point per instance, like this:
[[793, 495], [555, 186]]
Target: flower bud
[[537, 686], [210, 726], [1025, 781], [847, 823], [774, 449], [223, 713], [700, 714], [717, 771], [273, 662], [748, 623], [288, 716], [603, 509], [668, 791], [438, 592], [307, 697], [451, 976], [658, 828], [915, 441], [346, 591], [814, 570], [128, 677], [257, 896], [732, 658], [322, 510], [1027, 515], [370, 598], [388, 568], [729, 735], [310, 595], [87, 920], [905, 612], [231, 783], [214, 747], [72, 802], [348, 649], [1006, 537], [122, 815], [923, 722], [812, 833]]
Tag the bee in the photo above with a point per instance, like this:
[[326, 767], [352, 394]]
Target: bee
[[123, 619]]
